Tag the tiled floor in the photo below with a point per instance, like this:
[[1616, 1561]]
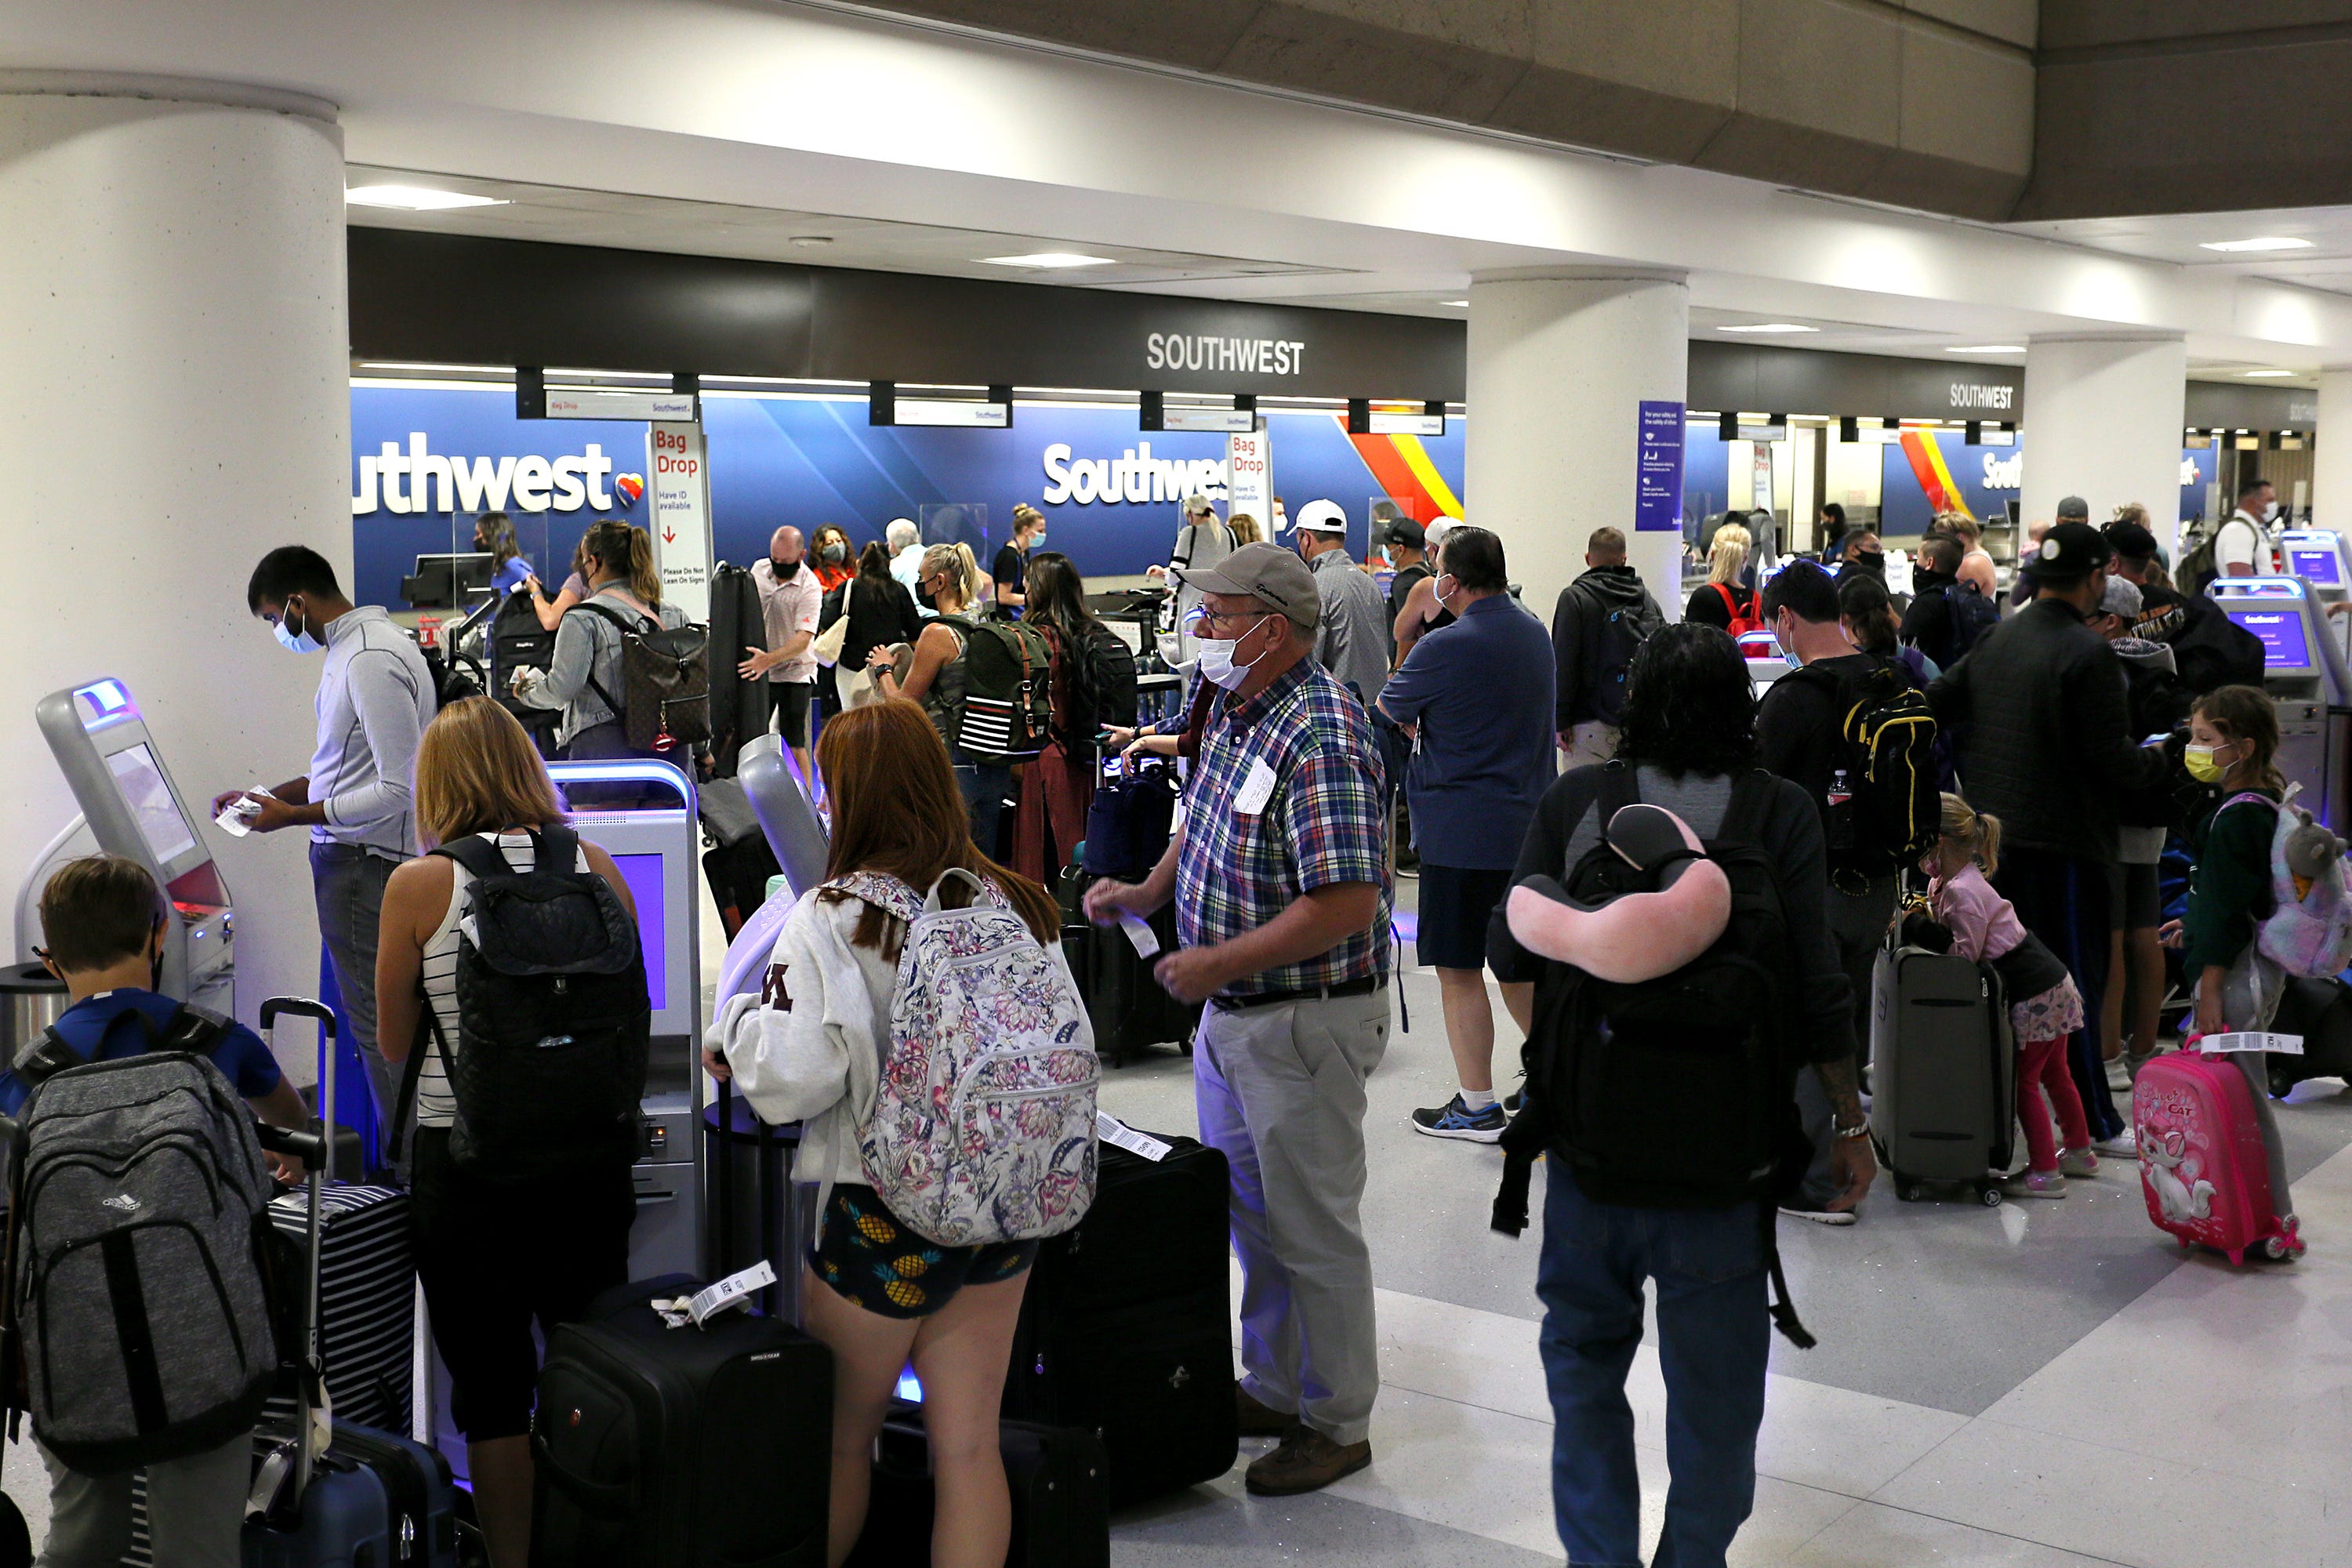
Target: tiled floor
[[2043, 1385]]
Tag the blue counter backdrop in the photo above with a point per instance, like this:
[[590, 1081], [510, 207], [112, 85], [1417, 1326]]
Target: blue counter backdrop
[[805, 462]]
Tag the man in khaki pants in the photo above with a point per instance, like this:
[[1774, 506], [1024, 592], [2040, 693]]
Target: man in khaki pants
[[1282, 891]]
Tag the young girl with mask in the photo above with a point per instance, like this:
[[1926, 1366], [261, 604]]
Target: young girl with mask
[[2233, 739], [2044, 1008]]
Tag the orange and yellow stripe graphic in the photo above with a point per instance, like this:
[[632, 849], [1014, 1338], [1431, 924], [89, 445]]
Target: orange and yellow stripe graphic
[[1927, 459], [1402, 468]]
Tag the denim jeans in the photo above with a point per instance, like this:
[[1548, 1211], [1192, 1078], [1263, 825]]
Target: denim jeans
[[348, 883], [983, 784], [1713, 1335]]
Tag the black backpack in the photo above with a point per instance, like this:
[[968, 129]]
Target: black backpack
[[553, 1019], [665, 697], [1007, 714], [1971, 616], [1884, 806], [517, 641], [1711, 1049], [1101, 673], [1614, 635]]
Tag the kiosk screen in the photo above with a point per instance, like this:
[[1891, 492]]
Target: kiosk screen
[[2281, 631], [2322, 568], [643, 873], [167, 832]]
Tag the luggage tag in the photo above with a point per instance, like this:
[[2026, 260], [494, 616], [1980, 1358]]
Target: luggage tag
[[2251, 1040], [706, 1303], [1111, 1129], [1140, 933]]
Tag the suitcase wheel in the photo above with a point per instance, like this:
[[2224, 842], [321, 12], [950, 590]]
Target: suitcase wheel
[[1906, 1190], [1989, 1194]]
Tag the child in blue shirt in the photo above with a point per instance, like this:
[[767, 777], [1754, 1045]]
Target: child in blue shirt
[[103, 919]]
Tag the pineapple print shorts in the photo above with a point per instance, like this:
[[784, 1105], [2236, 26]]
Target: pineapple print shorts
[[868, 1257]]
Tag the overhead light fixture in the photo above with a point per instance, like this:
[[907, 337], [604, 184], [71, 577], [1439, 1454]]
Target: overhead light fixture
[[1458, 304], [2262, 242], [811, 241], [2254, 373], [415, 198], [1048, 260], [1771, 327], [1986, 348]]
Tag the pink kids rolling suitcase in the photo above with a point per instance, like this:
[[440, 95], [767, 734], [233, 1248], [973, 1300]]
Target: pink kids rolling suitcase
[[2202, 1165]]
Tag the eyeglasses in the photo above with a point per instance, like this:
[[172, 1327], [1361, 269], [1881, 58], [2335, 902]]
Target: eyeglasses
[[1203, 617]]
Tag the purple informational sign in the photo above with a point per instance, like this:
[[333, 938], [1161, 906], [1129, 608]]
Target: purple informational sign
[[1658, 469]]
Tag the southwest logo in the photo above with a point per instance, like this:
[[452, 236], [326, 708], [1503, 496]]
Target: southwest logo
[[629, 487]]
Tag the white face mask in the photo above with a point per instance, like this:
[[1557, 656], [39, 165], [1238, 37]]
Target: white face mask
[[1217, 664], [295, 642], [2270, 511]]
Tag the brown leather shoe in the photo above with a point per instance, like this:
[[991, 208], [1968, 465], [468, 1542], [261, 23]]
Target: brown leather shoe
[[1260, 1420], [1304, 1461]]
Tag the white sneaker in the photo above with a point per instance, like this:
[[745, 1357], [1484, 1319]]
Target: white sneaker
[[2124, 1146]]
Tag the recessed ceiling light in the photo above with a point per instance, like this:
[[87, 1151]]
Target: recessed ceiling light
[[415, 198], [1770, 327], [2263, 242], [2265, 372], [1048, 259], [1458, 304], [810, 241], [1987, 349]]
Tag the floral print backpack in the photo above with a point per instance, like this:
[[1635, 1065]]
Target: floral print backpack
[[983, 1128]]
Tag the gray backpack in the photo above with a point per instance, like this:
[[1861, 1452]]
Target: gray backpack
[[138, 1232]]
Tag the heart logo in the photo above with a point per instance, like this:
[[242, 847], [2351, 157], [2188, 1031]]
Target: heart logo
[[630, 488]]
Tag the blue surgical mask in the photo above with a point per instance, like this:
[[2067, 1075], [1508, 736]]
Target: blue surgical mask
[[1037, 538], [295, 642]]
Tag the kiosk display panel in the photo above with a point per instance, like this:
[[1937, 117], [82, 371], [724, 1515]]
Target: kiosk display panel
[[152, 807], [2319, 564], [2284, 646]]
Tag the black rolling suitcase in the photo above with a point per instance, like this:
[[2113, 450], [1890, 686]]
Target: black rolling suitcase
[[1943, 1071], [1126, 1327], [1061, 1515], [373, 1497], [738, 708], [367, 1273], [691, 1448]]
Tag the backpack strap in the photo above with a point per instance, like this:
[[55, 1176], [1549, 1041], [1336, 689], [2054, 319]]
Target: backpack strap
[[620, 624], [1730, 604], [477, 855], [1782, 1309], [1743, 817], [556, 848], [884, 892]]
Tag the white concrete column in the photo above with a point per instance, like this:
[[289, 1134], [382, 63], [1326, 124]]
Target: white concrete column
[[174, 341], [2103, 421], [2331, 459], [1559, 363]]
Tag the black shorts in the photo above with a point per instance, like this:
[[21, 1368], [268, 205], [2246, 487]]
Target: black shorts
[[871, 1260], [494, 1259], [1455, 905], [789, 701], [2134, 901]]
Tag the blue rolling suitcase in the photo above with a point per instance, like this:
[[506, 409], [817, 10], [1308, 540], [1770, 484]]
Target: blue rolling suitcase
[[371, 1499]]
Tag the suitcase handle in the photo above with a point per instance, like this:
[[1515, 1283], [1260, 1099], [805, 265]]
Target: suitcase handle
[[300, 1006]]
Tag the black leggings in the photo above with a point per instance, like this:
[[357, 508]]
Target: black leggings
[[496, 1256]]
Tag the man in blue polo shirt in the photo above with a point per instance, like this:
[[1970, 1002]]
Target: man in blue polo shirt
[[102, 921], [1477, 696]]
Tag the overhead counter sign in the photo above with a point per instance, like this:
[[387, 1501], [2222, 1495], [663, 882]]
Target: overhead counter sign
[[675, 407]]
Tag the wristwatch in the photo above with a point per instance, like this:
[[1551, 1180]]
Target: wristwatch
[[1860, 1130]]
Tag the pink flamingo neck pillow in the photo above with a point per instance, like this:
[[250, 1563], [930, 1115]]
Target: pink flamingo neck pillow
[[1633, 937]]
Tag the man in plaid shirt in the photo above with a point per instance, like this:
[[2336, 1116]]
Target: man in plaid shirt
[[1282, 889]]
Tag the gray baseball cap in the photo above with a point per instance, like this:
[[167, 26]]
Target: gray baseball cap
[[2074, 507], [1273, 575]]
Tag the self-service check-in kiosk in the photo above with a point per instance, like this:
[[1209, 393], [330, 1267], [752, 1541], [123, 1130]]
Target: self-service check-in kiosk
[[2304, 671], [642, 813], [2320, 557], [131, 807], [1765, 662]]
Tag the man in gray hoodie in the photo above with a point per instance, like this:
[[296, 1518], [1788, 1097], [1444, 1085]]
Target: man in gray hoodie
[[1601, 620]]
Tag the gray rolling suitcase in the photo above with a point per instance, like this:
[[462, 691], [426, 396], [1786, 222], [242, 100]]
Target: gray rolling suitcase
[[1943, 1068]]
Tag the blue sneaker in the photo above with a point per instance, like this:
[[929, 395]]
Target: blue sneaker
[[1456, 1119]]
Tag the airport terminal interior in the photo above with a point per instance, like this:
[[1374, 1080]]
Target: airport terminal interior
[[1475, 350]]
